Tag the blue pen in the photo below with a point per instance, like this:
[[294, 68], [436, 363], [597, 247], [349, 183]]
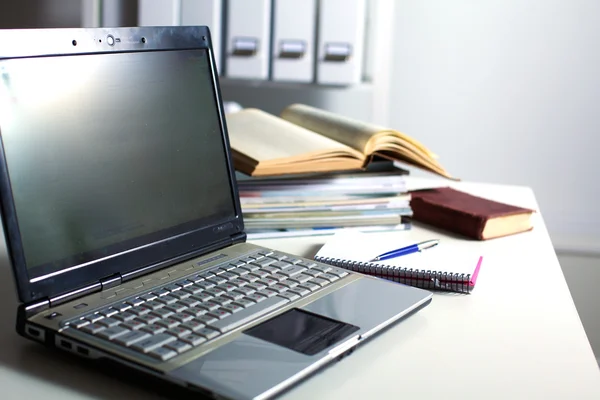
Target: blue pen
[[407, 250]]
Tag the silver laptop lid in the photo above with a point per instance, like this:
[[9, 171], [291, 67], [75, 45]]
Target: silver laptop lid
[[114, 153]]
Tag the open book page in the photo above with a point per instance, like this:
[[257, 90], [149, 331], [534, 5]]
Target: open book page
[[270, 140], [448, 257], [365, 137]]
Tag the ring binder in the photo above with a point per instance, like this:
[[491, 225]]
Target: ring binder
[[425, 279]]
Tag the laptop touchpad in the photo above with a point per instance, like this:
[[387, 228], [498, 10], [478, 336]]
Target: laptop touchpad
[[302, 331]]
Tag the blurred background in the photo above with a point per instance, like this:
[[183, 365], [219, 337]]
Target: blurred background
[[504, 91]]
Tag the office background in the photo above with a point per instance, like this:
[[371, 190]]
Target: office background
[[506, 91]]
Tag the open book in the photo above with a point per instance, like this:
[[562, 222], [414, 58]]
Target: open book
[[308, 139]]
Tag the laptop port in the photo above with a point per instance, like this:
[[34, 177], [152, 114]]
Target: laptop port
[[83, 351], [66, 345]]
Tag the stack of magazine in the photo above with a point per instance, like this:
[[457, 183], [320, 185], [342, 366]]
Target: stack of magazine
[[323, 204]]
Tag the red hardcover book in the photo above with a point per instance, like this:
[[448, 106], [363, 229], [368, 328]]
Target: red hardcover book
[[468, 215]]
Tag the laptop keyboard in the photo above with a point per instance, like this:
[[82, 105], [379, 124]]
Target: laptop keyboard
[[172, 319]]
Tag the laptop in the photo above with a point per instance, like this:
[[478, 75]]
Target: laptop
[[124, 227]]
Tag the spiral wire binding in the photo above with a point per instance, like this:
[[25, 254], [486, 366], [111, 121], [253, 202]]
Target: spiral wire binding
[[424, 279]]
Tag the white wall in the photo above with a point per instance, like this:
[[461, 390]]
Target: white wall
[[507, 91]]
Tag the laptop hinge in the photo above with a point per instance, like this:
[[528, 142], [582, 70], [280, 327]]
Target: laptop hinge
[[238, 238], [111, 281]]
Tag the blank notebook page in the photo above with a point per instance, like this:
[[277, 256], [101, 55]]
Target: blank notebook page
[[356, 246]]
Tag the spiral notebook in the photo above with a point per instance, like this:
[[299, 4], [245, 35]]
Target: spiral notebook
[[445, 267]]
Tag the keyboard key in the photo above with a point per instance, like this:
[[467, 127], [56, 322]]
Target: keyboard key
[[135, 302], [172, 287], [293, 271], [162, 313], [194, 289], [226, 287], [125, 316], [112, 333], [167, 299], [252, 267], [268, 281], [133, 325], [182, 317], [267, 292], [189, 302], [109, 322], [271, 269], [257, 298], [208, 333], [232, 308], [217, 280], [196, 311], [319, 281], [301, 278], [180, 295], [265, 252], [155, 305], [147, 319], [235, 295], [292, 260], [177, 307], [238, 282], [300, 291], [179, 346], [236, 264], [260, 273], [329, 277], [256, 286], [239, 271], [224, 268], [289, 295], [246, 315], [263, 262], [279, 288], [209, 305], [289, 283], [322, 267], [132, 337], [277, 256], [120, 307], [310, 286], [281, 265], [244, 290], [148, 297], [153, 329], [202, 297], [94, 317], [222, 300], [93, 328], [205, 285], [196, 278], [247, 259], [108, 311], [249, 278], [214, 291], [340, 273], [153, 342], [162, 353], [178, 331], [227, 275], [194, 340], [307, 264], [79, 323], [161, 292], [193, 325], [206, 319], [184, 283], [206, 274], [279, 277], [256, 256], [220, 313], [244, 302], [168, 323], [313, 272], [140, 310]]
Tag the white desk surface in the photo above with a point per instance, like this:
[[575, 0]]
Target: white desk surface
[[516, 336]]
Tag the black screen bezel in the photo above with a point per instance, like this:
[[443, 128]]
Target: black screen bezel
[[60, 42]]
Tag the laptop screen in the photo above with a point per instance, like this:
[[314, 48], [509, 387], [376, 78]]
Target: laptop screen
[[109, 152]]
